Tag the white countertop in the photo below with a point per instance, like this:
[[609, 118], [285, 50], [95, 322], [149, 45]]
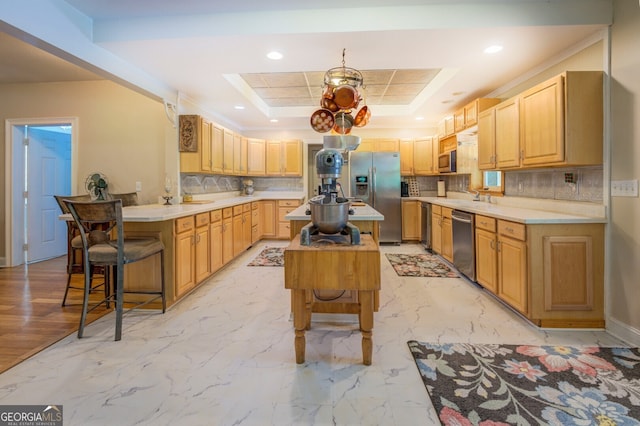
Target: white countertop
[[365, 212], [160, 212], [514, 214]]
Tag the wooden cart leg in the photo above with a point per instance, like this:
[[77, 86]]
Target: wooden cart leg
[[299, 323], [365, 298]]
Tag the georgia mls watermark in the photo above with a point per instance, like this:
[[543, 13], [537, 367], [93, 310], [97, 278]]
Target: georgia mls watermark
[[30, 415]]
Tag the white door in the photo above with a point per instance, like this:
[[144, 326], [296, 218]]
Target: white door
[[48, 174]]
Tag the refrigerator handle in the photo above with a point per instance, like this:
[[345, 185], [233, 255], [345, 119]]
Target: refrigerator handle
[[373, 187]]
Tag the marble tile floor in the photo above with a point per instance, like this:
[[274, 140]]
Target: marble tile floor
[[224, 355]]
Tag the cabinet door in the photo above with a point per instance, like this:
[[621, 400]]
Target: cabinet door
[[487, 260], [256, 161], [239, 155], [202, 254], [185, 254], [486, 139], [268, 218], [423, 156], [411, 220], [227, 240], [458, 121], [406, 158], [447, 238], [217, 149], [512, 273], [205, 154], [238, 240], [507, 134], [227, 162], [388, 145], [273, 158], [292, 158], [542, 123], [215, 250], [436, 233], [471, 113]]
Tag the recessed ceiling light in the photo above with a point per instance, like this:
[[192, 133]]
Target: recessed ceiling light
[[274, 120], [238, 107], [419, 118], [274, 55], [493, 49]]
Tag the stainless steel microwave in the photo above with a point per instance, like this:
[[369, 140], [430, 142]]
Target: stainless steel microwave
[[447, 162]]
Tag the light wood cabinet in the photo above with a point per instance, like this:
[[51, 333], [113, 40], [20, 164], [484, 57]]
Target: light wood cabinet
[[202, 247], [499, 136], [215, 235], [227, 235], [458, 121], [446, 127], [284, 158], [411, 220], [447, 234], [240, 155], [423, 156], [241, 228], [185, 278], [436, 228], [217, 149], [486, 253], [487, 139], [256, 157], [561, 120], [256, 223], [227, 152], [406, 158], [268, 218], [284, 208], [199, 133], [379, 145], [512, 265]]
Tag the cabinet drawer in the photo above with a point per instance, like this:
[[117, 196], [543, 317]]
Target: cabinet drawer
[[237, 210], [283, 211], [254, 216], [254, 205], [288, 203], [436, 209], [246, 207], [227, 213], [486, 223], [284, 229], [446, 212], [184, 224], [202, 219], [216, 216], [512, 229]]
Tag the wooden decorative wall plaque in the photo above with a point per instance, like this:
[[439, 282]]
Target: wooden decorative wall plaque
[[188, 133]]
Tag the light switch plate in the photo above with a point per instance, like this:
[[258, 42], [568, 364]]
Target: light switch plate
[[138, 186], [624, 188]]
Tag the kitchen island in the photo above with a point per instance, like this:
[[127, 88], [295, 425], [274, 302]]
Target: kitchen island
[[200, 237]]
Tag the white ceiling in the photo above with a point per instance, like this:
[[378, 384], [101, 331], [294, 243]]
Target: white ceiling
[[200, 49]]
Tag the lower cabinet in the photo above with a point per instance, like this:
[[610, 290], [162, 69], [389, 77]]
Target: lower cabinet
[[202, 247], [411, 220], [436, 228], [215, 234], [512, 265], [284, 208], [486, 253], [185, 278], [447, 234], [268, 218], [256, 224], [227, 235]]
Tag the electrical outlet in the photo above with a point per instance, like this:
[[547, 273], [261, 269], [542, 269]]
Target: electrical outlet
[[624, 188], [138, 186]]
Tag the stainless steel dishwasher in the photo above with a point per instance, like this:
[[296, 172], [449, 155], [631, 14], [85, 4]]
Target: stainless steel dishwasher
[[464, 257]]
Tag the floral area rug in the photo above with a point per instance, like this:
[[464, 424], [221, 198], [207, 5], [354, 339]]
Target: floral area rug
[[494, 384], [269, 256], [419, 265]]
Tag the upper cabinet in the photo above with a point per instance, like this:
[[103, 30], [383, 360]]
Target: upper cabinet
[[424, 156], [240, 155], [284, 158], [556, 123], [379, 145], [256, 157], [561, 120], [406, 158], [195, 144]]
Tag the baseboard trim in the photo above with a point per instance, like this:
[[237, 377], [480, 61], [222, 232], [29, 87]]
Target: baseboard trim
[[623, 331]]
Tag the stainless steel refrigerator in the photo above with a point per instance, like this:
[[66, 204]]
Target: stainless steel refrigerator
[[374, 177]]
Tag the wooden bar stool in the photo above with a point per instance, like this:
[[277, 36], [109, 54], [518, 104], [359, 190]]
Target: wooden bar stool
[[100, 248]]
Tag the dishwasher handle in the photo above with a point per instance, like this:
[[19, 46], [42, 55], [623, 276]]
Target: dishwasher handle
[[461, 216]]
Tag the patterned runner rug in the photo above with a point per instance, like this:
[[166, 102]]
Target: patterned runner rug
[[530, 385], [419, 265], [269, 256]]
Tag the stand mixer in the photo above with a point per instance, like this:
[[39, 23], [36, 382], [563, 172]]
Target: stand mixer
[[330, 209]]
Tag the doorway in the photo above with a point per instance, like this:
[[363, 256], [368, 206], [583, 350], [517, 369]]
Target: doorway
[[39, 159]]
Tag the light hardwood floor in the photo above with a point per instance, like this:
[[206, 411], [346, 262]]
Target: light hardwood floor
[[31, 315]]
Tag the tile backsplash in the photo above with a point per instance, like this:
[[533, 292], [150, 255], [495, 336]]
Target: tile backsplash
[[211, 184], [568, 184]]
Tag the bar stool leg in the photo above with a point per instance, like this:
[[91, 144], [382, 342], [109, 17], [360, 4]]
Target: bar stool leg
[[119, 280], [85, 300]]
